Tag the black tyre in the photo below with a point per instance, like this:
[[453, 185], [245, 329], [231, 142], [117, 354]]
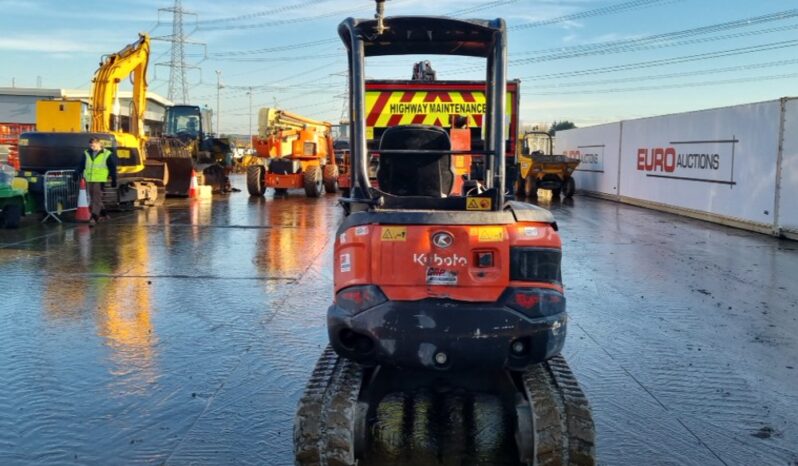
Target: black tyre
[[256, 184], [569, 188], [531, 187], [314, 185], [330, 179], [12, 214]]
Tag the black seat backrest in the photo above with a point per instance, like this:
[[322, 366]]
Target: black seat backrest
[[415, 174]]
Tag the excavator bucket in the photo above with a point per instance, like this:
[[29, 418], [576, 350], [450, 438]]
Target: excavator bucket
[[177, 157]]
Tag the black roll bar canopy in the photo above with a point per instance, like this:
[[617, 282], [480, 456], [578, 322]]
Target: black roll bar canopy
[[405, 35]]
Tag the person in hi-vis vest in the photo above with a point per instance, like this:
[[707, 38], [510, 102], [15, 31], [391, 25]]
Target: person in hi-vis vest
[[98, 165]]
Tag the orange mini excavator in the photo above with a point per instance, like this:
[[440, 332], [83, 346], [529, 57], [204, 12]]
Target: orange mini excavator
[[449, 311]]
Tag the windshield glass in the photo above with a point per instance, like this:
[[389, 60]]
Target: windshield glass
[[184, 120]]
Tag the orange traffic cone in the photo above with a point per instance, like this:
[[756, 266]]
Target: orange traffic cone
[[193, 188], [83, 214]]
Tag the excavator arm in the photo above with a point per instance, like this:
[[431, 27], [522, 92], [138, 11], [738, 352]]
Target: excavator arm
[[113, 69]]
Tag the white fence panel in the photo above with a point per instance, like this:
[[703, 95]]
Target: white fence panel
[[788, 197], [720, 161], [597, 147]]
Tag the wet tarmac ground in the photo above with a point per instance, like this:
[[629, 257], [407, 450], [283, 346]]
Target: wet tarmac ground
[[185, 334]]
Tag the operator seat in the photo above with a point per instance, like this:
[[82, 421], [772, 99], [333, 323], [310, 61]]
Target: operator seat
[[415, 174]]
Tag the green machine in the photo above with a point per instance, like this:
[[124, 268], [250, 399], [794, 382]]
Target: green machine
[[14, 199]]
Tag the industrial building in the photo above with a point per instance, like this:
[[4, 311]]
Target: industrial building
[[18, 105]]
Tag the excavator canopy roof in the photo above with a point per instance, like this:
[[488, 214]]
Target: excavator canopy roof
[[423, 35]]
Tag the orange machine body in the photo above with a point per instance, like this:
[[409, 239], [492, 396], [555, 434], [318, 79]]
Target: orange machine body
[[402, 259]]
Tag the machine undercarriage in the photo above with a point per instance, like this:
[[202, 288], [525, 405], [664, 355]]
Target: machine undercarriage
[[351, 414]]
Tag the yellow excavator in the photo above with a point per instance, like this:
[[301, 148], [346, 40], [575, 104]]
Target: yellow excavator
[[59, 143]]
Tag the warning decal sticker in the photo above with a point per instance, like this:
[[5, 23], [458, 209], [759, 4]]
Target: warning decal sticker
[[394, 234], [346, 263], [488, 234], [478, 203]]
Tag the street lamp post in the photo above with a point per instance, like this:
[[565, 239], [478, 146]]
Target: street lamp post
[[250, 114], [218, 107]]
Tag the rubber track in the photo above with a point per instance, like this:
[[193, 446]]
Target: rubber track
[[563, 423], [324, 426]]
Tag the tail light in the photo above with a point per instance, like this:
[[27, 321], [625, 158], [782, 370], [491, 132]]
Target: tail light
[[535, 265], [356, 299], [535, 302]]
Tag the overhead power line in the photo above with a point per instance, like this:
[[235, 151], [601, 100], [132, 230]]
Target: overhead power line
[[652, 42], [668, 36], [286, 59], [669, 61], [671, 86], [280, 48], [638, 48], [279, 22], [259, 14], [474, 9], [602, 11], [683, 74]]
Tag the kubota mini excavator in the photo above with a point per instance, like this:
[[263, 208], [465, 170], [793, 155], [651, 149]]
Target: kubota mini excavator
[[140, 182], [295, 152], [449, 315]]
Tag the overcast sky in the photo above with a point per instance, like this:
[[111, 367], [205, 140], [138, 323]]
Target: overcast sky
[[589, 61]]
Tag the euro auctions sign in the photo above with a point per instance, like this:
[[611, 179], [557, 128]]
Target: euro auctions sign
[[704, 161]]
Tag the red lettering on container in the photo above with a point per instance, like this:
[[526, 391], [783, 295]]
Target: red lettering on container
[[670, 160], [641, 158], [656, 159]]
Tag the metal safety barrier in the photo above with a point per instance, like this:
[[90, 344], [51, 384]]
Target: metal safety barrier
[[61, 189]]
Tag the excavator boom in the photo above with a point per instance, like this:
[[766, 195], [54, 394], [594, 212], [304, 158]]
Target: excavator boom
[[115, 67], [140, 181]]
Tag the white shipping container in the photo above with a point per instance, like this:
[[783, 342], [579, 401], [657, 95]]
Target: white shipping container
[[597, 147], [724, 164], [720, 161], [788, 181]]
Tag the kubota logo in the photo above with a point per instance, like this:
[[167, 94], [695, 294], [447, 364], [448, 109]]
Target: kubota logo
[[435, 260], [442, 239]]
